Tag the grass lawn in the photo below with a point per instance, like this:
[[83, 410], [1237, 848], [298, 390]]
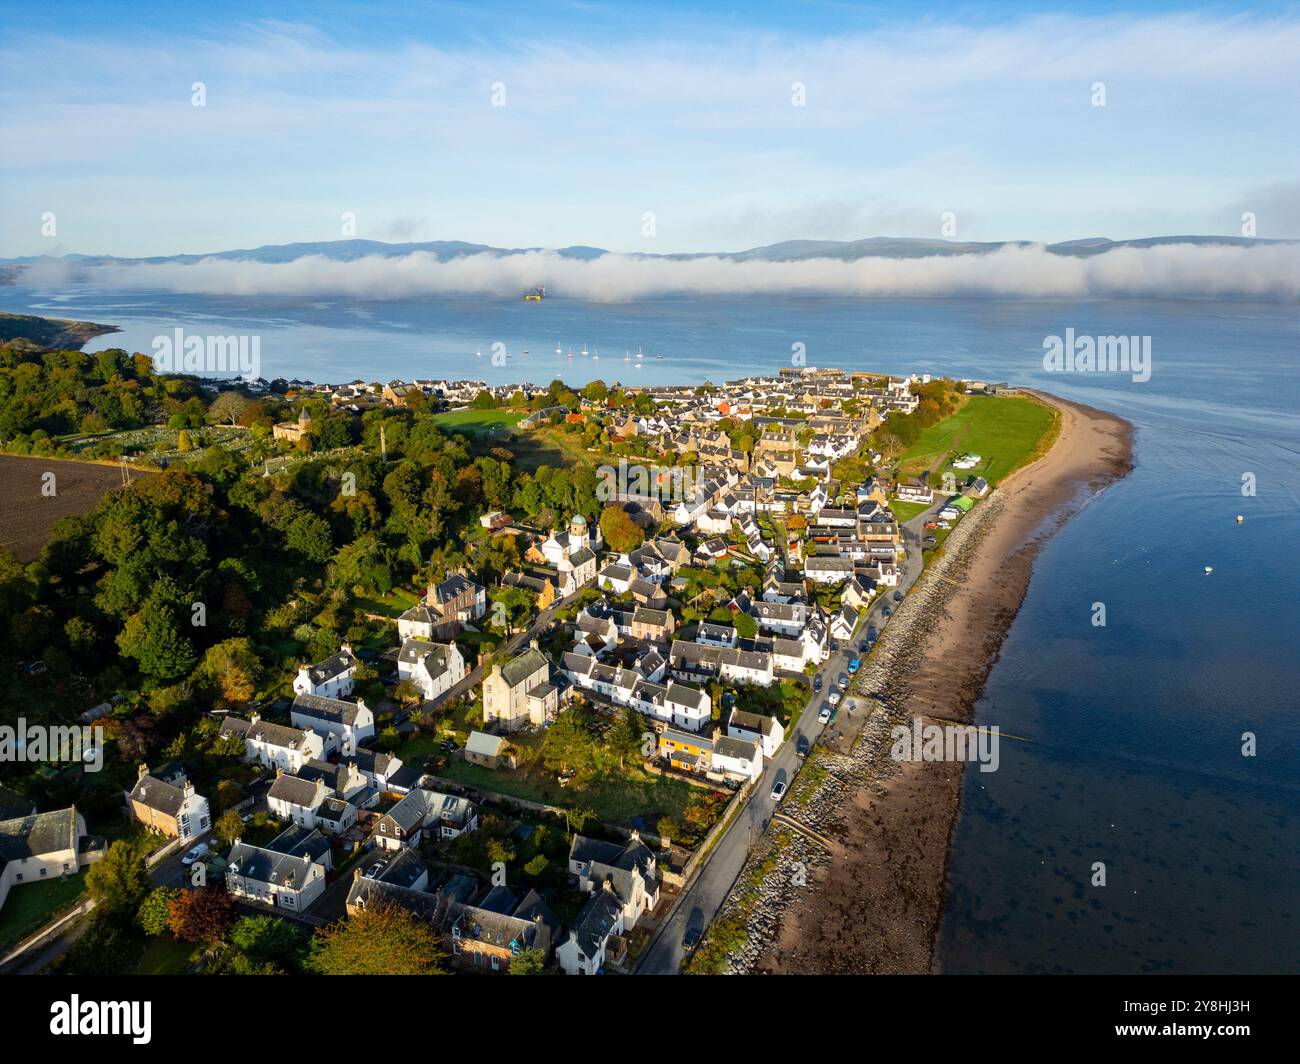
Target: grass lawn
[[905, 511], [617, 796], [30, 906], [394, 604], [478, 422], [165, 956], [1006, 432]]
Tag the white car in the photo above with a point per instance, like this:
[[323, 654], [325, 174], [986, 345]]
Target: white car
[[778, 790], [834, 698], [824, 717], [195, 854]]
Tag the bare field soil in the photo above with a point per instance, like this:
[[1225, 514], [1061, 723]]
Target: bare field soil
[[29, 515]]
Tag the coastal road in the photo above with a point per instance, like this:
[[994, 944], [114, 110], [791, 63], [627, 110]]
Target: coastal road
[[713, 882]]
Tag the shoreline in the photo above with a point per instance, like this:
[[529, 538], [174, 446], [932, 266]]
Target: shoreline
[[874, 899]]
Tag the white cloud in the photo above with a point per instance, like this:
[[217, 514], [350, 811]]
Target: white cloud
[[1269, 272]]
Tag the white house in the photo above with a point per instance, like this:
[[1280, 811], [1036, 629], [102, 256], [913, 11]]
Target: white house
[[434, 668], [756, 727], [287, 873], [43, 846], [297, 800], [332, 678], [274, 745], [600, 920], [344, 724], [738, 758]]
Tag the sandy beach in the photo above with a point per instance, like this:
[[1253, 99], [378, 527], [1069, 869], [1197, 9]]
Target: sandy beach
[[872, 905]]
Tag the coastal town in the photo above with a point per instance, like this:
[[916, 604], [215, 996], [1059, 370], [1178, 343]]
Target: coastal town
[[548, 755]]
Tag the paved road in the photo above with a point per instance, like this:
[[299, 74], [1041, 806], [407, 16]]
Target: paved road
[[713, 882]]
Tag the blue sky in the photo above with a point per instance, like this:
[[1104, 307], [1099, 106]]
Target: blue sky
[[980, 114]]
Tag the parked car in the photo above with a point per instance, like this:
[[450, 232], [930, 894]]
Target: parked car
[[854, 665], [871, 633], [843, 681], [834, 698], [778, 788], [824, 717], [835, 646], [817, 682], [694, 929], [802, 746], [888, 611], [373, 870], [864, 647], [195, 854], [898, 596]]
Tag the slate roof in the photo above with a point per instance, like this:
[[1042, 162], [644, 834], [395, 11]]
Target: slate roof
[[334, 710], [597, 920], [520, 668], [153, 793], [37, 834], [331, 668]]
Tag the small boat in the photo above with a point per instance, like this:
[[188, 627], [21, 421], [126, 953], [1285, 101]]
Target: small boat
[[639, 356], [559, 350], [1240, 519], [525, 351], [478, 354], [584, 350], [570, 352], [659, 357], [627, 357], [596, 355], [1209, 569]]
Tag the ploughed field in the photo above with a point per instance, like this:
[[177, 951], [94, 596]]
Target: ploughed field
[[29, 515]]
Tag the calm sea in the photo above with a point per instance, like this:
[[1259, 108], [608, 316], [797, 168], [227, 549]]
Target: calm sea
[[1135, 760]]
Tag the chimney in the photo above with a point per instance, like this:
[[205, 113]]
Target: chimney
[[254, 718], [345, 648], [635, 835], [534, 643], [141, 772]]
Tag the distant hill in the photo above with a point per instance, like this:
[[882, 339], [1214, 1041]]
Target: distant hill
[[785, 251], [51, 332]]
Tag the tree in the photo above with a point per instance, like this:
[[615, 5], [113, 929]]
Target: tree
[[203, 915], [155, 910], [119, 881], [228, 407], [229, 826], [382, 941], [625, 737], [619, 530], [568, 745], [530, 961]]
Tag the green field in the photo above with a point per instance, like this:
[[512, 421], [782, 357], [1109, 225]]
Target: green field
[[478, 422], [1005, 432]]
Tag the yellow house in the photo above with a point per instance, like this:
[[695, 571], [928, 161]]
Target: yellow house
[[689, 753]]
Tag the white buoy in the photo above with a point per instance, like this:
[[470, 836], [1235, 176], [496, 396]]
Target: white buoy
[[1209, 569]]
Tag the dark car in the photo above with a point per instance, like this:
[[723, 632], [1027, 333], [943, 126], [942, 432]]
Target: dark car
[[802, 746], [871, 632], [887, 611], [817, 682], [864, 647], [898, 596], [694, 929]]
